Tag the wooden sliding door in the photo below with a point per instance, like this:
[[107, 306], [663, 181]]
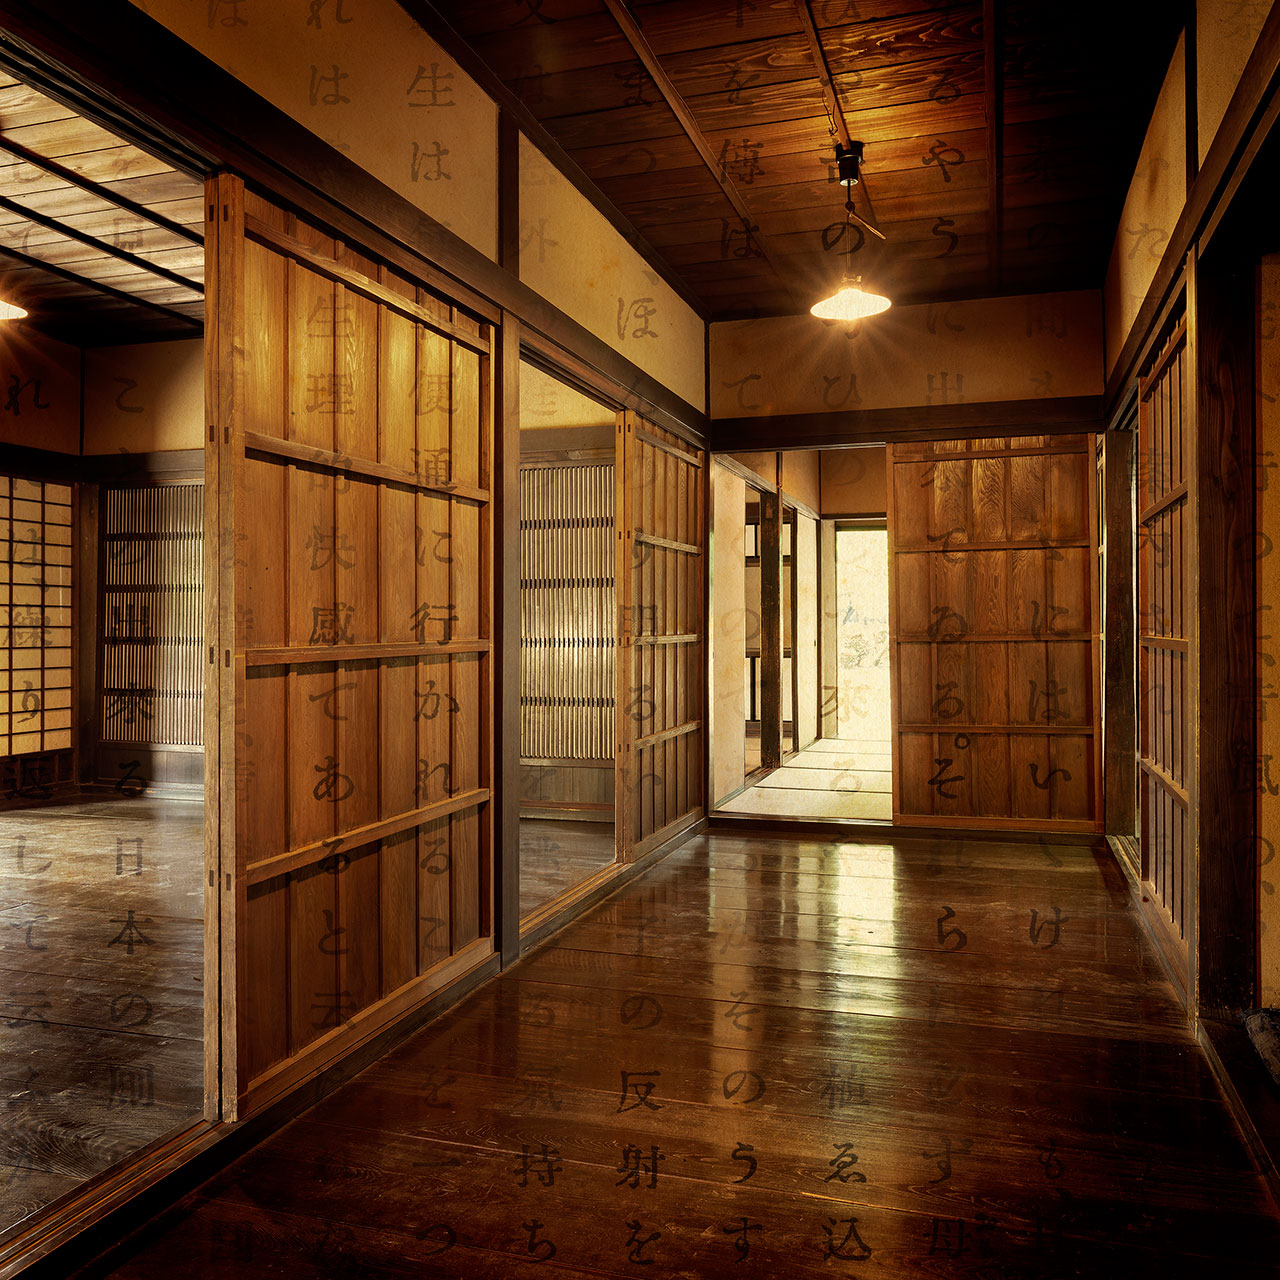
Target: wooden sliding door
[[1166, 603], [992, 618], [350, 459], [661, 632]]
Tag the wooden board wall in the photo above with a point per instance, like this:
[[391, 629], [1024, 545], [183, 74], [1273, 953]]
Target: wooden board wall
[[352, 416], [992, 619], [1165, 605], [661, 515]]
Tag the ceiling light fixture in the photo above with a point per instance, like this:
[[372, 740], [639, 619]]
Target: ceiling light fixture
[[8, 311], [851, 301]]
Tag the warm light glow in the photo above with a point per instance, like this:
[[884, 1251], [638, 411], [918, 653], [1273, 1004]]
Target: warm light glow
[[9, 312], [852, 302]]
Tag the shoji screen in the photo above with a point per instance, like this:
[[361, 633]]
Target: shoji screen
[[992, 559], [662, 634], [352, 421]]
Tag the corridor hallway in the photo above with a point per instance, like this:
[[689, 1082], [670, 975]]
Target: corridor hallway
[[774, 1057], [830, 778]]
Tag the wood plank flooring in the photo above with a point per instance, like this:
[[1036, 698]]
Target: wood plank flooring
[[556, 856], [775, 1057], [832, 778], [101, 998]]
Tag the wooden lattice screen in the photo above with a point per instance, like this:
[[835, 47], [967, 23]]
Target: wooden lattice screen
[[1165, 607], [152, 578], [352, 419], [662, 634], [568, 607]]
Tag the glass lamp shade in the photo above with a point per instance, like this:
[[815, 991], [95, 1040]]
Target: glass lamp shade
[[10, 312], [851, 302]]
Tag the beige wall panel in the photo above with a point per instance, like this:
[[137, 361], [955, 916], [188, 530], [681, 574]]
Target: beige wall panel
[[728, 634], [987, 349], [1268, 610], [547, 402], [765, 465], [40, 379], [853, 481], [144, 398], [806, 639], [1151, 209], [800, 472], [374, 85], [574, 258], [1226, 32]]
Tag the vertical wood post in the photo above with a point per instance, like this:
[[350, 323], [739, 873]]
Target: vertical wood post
[[507, 633], [770, 630]]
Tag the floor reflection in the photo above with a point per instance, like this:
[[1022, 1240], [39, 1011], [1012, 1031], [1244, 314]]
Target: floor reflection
[[101, 994]]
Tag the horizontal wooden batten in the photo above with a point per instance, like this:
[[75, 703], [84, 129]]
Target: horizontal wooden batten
[[1038, 544], [1006, 637], [1165, 501], [665, 735], [296, 859], [1003, 730], [361, 1026], [1177, 792], [291, 247], [565, 762], [1175, 644], [305, 654], [327, 459], [1049, 416], [666, 544], [689, 459], [689, 638]]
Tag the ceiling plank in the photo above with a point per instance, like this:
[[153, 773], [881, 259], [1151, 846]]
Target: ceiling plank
[[71, 177], [993, 94], [100, 246], [119, 294], [635, 37]]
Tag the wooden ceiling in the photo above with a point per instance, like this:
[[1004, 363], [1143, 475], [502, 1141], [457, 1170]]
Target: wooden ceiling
[[1000, 134], [101, 242]]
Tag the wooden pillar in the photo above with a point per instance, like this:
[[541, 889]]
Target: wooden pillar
[[506, 746], [1120, 766], [1220, 320], [771, 604], [828, 633]]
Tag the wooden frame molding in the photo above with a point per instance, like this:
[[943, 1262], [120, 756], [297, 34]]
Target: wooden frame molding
[[1065, 414]]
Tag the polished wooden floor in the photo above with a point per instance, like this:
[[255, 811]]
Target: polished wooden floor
[[556, 856], [775, 1057], [101, 995]]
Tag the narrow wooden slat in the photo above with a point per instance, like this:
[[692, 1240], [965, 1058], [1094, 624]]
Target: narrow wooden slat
[[329, 459], [358, 282], [317, 851]]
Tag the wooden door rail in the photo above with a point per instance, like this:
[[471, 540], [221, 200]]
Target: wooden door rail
[[279, 864], [291, 247], [328, 460], [302, 654]]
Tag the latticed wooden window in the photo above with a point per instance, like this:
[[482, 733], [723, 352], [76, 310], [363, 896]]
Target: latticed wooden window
[[35, 616]]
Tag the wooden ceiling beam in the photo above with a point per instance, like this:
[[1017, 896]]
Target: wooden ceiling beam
[[834, 109], [675, 100]]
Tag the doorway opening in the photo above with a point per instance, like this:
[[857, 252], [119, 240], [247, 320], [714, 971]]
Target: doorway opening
[[102, 644], [568, 639]]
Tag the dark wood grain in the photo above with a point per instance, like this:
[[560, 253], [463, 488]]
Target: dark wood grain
[[1084, 1126]]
